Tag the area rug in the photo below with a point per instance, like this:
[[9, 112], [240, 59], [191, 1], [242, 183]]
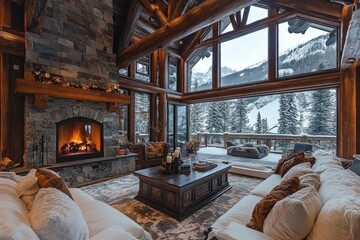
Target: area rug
[[120, 193]]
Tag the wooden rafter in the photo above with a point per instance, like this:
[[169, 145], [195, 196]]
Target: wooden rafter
[[162, 5], [238, 19], [154, 11], [193, 20], [180, 9], [129, 26], [34, 15], [319, 7], [190, 44], [245, 16], [233, 21], [171, 8]]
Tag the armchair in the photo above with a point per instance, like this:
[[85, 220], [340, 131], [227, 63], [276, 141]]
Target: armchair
[[149, 154]]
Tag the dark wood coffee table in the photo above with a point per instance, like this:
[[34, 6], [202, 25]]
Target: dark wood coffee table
[[180, 195]]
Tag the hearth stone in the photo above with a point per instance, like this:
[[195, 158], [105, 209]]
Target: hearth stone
[[84, 171]]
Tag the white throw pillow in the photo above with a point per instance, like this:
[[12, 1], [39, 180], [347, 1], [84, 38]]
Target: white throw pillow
[[339, 219], [325, 160], [297, 171], [27, 188], [294, 216], [55, 216]]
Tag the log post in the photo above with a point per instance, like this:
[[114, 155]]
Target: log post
[[163, 68], [3, 103], [163, 117]]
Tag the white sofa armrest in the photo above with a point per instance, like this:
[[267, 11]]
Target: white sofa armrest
[[236, 231]]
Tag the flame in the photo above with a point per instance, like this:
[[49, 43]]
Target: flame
[[76, 136]]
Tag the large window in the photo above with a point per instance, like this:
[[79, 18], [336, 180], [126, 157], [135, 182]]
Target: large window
[[173, 65], [181, 126], [123, 121], [199, 68], [142, 71], [306, 47], [177, 126], [244, 59], [142, 116], [309, 115]]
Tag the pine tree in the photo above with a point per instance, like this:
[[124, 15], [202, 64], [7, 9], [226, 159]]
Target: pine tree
[[292, 115], [264, 125], [258, 125], [195, 118], [239, 117], [224, 108], [215, 121], [321, 113], [283, 111]]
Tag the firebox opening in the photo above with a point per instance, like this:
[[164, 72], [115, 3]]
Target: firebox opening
[[79, 138]]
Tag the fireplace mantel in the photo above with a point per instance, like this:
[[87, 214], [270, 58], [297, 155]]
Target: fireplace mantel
[[42, 91]]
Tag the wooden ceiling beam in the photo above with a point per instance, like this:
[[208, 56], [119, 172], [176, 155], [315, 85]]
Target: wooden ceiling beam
[[233, 21], [130, 24], [245, 16], [180, 9], [192, 42], [171, 9], [154, 11], [162, 5], [193, 20], [11, 43], [238, 19], [322, 7]]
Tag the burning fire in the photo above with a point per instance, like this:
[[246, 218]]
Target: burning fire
[[76, 137]]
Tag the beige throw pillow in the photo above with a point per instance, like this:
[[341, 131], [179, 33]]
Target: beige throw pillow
[[298, 170], [294, 216], [48, 178], [26, 189]]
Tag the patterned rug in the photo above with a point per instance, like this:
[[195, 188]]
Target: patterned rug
[[120, 193]]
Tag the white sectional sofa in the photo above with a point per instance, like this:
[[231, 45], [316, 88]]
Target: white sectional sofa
[[335, 212], [103, 221]]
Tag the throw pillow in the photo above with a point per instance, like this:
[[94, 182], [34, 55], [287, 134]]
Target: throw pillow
[[284, 159], [265, 205], [27, 188], [298, 170], [48, 178], [310, 180], [294, 216], [54, 216], [297, 159], [355, 167]]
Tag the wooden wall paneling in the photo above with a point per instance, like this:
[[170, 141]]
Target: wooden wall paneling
[[16, 112], [5, 13], [132, 69], [347, 112], [131, 126], [153, 118], [163, 116], [192, 21], [35, 15], [273, 46], [3, 102]]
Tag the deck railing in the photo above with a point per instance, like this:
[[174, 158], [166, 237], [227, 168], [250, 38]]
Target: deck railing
[[276, 142]]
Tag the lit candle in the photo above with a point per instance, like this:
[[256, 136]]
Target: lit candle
[[178, 149], [176, 154], [168, 159]]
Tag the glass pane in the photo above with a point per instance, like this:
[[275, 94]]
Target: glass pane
[[142, 116], [208, 35], [143, 69], [123, 121], [199, 69], [255, 14], [173, 63], [123, 71], [181, 126], [305, 48], [171, 125], [225, 25], [244, 59]]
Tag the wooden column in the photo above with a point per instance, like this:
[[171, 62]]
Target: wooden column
[[272, 46], [131, 70], [216, 59], [163, 68], [163, 117], [153, 118], [131, 127], [5, 13], [181, 75], [348, 114]]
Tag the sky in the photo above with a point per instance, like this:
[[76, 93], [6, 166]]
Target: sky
[[251, 49]]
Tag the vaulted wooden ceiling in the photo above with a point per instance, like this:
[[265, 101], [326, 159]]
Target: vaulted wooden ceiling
[[143, 26]]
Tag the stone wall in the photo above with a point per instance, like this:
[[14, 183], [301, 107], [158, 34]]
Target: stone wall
[[43, 122], [76, 42]]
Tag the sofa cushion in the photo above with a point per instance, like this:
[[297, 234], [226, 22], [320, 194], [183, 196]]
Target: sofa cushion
[[310, 179], [294, 216], [265, 187], [263, 207], [295, 160], [298, 170], [105, 222], [14, 223], [48, 178], [325, 160], [55, 216], [339, 218]]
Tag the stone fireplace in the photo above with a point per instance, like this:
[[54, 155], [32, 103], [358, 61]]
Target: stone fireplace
[[68, 130], [78, 138]]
